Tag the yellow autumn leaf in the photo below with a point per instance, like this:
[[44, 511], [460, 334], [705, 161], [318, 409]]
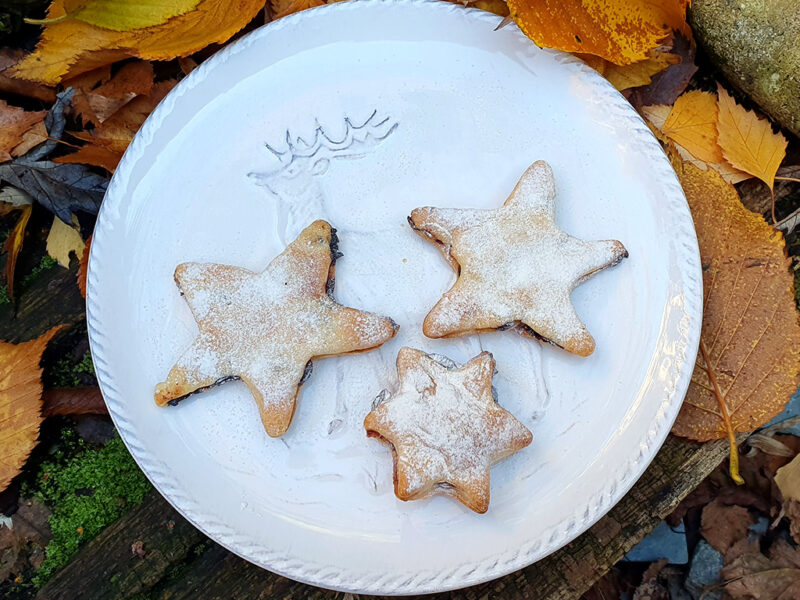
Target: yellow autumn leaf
[[639, 73], [122, 15], [13, 243], [692, 123], [20, 402], [70, 47], [620, 31], [64, 240], [748, 141]]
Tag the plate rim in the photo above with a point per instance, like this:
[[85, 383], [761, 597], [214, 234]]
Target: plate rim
[[461, 575]]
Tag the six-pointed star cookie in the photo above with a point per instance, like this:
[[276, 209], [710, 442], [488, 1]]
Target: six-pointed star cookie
[[445, 429], [264, 328], [515, 266]]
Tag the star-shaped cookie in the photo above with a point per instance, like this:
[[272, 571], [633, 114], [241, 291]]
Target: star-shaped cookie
[[445, 428], [264, 328], [515, 267]]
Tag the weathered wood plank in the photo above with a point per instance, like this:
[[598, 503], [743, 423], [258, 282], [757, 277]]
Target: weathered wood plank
[[109, 568], [51, 299], [171, 570]]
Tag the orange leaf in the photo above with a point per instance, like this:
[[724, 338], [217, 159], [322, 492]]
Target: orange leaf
[[13, 245], [83, 267], [93, 155], [621, 31], [639, 73], [747, 141], [14, 122], [71, 47], [33, 137], [134, 78], [20, 402], [288, 7], [750, 326]]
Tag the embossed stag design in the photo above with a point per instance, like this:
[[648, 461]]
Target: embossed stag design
[[294, 183]]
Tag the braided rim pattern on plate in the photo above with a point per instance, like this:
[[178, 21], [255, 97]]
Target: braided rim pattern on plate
[[678, 365]]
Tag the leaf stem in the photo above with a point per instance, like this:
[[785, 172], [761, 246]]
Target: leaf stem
[[734, 452], [63, 17], [778, 178]]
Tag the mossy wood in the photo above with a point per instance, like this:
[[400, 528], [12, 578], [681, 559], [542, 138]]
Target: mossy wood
[[179, 563]]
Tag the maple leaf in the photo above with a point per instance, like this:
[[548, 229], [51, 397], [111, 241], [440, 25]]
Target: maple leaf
[[121, 15], [747, 141], [72, 47], [750, 341], [20, 402], [14, 123], [33, 137], [620, 31], [95, 105]]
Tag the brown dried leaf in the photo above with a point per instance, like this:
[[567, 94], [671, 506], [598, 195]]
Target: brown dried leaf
[[73, 401], [33, 137], [14, 122], [750, 324], [133, 79], [20, 402], [93, 155], [672, 82], [289, 7], [753, 576], [8, 85], [83, 266], [723, 526]]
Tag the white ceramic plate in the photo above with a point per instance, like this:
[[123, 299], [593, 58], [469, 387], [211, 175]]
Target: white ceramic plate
[[459, 112]]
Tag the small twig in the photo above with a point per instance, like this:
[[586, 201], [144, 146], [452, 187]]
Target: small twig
[[734, 453], [772, 197]]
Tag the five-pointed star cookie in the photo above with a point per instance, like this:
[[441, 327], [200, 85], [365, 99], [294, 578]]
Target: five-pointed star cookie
[[264, 328], [515, 267], [445, 428]]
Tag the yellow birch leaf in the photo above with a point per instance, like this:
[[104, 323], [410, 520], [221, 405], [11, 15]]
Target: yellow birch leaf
[[293, 6], [620, 31], [63, 240], [70, 47], [657, 114], [692, 123], [747, 141], [122, 15]]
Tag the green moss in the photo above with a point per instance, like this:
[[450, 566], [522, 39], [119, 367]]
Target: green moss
[[67, 373], [86, 492], [47, 262], [4, 299]]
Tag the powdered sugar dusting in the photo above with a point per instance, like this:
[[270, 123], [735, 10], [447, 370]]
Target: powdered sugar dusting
[[445, 426], [515, 265], [265, 327]]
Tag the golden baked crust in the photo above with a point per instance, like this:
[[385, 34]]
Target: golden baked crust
[[515, 267], [445, 428], [264, 328]]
